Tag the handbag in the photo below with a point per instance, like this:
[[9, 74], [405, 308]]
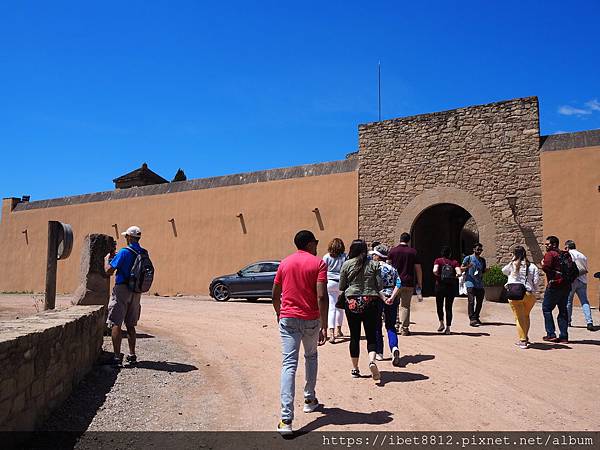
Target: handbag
[[517, 291], [341, 300], [359, 304]]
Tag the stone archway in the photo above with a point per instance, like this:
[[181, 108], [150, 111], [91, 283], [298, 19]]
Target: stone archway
[[451, 196]]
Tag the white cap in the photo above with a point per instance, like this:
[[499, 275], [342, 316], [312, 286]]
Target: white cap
[[133, 231]]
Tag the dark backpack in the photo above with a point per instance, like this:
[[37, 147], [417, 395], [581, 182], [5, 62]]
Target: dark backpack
[[447, 273], [142, 272], [568, 269]]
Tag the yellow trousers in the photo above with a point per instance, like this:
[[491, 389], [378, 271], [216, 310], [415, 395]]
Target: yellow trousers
[[521, 310]]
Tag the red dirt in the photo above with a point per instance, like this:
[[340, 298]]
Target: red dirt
[[474, 380]]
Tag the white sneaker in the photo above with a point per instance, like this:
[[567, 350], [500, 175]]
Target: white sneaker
[[374, 371], [283, 428], [379, 357], [310, 405]]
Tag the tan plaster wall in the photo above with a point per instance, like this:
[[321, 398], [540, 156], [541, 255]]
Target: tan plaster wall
[[571, 203], [209, 241]]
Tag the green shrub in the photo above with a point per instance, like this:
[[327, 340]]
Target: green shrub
[[494, 277]]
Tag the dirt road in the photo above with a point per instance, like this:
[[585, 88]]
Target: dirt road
[[475, 379]]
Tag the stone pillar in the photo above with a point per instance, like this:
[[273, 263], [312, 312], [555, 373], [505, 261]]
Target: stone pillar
[[94, 285]]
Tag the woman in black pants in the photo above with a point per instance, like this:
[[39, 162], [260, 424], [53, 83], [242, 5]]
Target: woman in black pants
[[360, 281], [446, 272]]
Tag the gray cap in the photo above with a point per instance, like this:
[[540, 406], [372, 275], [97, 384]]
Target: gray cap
[[381, 251]]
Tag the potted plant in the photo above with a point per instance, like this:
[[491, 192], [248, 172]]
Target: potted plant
[[493, 282]]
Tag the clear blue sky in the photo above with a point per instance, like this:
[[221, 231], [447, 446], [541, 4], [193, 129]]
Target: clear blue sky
[[90, 90]]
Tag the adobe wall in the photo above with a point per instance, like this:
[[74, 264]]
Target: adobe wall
[[571, 196], [206, 238], [42, 358], [473, 157]]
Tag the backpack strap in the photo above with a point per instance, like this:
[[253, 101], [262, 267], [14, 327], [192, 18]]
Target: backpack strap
[[132, 250]]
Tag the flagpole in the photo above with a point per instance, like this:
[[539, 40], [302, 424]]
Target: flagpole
[[379, 88]]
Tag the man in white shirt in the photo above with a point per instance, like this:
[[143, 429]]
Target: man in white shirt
[[579, 286]]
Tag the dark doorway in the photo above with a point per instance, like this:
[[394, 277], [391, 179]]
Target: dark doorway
[[439, 225]]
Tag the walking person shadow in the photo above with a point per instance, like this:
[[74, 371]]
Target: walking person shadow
[[339, 416]]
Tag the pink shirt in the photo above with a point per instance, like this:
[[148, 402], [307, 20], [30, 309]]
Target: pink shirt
[[298, 275]]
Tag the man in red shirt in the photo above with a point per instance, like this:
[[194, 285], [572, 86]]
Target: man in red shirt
[[556, 293], [301, 303]]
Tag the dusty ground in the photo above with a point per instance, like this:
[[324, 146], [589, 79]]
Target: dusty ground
[[475, 379], [164, 391], [13, 306]]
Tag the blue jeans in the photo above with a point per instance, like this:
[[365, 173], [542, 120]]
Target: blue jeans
[[580, 288], [292, 332], [556, 297], [390, 312]]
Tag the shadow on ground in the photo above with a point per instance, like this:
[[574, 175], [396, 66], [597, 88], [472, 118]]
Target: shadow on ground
[[454, 333], [586, 342], [498, 324], [414, 359], [74, 416], [339, 416], [164, 366], [71, 420], [400, 377], [547, 346]]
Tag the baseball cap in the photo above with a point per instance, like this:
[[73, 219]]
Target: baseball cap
[[133, 231], [381, 251]]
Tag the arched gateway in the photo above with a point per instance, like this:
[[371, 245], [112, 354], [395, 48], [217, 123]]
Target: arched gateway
[[446, 216]]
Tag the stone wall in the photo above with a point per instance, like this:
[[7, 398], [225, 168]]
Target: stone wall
[[42, 357], [473, 157]]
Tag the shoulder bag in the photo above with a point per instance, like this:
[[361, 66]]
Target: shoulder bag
[[517, 291]]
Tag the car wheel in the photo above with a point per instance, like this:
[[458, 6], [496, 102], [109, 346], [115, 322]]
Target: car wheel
[[221, 292]]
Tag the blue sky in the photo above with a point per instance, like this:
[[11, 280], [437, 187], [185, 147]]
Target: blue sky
[[90, 90]]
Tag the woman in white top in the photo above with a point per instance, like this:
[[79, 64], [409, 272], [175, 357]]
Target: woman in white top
[[334, 259], [521, 271]]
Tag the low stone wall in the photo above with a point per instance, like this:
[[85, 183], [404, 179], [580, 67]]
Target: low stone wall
[[41, 358]]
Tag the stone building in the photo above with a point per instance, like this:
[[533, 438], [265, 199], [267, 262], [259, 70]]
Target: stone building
[[430, 174], [481, 173]]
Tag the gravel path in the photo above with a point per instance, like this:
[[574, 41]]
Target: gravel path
[[159, 394]]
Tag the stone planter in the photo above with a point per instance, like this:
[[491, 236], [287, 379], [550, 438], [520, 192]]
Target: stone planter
[[494, 294]]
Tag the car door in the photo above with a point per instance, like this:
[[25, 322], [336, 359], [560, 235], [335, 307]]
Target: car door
[[264, 279], [245, 282]]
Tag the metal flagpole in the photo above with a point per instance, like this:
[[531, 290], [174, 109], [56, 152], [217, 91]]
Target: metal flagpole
[[379, 87]]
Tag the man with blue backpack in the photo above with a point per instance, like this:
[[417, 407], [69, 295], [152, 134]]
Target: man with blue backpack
[[134, 275]]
